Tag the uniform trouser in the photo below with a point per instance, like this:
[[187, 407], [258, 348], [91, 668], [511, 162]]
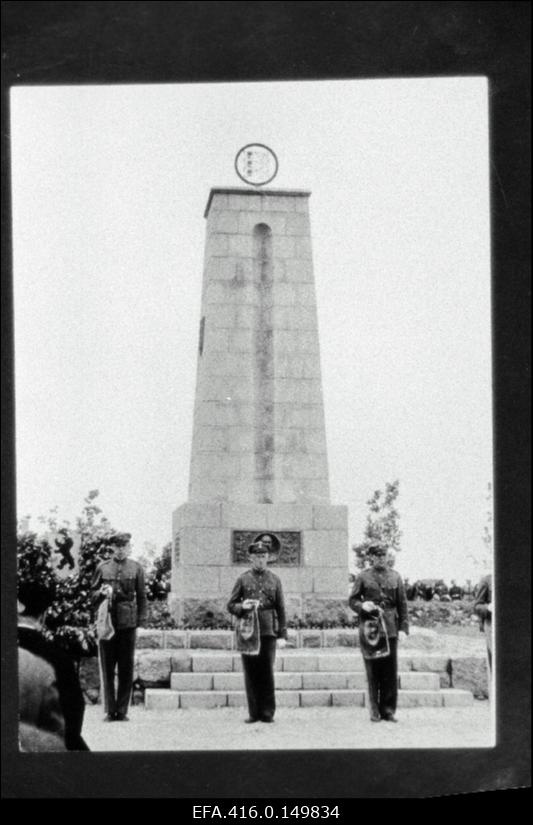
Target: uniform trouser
[[382, 678], [117, 653], [259, 680], [487, 628]]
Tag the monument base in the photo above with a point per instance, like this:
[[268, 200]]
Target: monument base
[[210, 543]]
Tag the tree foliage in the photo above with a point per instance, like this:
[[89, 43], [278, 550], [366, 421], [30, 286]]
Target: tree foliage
[[382, 522], [158, 578], [69, 620]]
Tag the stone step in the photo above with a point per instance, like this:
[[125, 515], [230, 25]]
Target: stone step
[[289, 680], [447, 697], [299, 661], [414, 680], [165, 699]]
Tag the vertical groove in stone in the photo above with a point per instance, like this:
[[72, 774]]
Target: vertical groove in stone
[[263, 371]]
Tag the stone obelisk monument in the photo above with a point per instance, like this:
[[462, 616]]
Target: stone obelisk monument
[[259, 460]]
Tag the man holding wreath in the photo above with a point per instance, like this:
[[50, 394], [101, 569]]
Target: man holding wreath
[[378, 598], [258, 591]]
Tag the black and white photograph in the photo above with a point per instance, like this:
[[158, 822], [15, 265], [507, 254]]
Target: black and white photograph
[[254, 416], [237, 338]]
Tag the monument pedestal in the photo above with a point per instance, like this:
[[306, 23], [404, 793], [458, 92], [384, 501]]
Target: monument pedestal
[[210, 551], [259, 456]]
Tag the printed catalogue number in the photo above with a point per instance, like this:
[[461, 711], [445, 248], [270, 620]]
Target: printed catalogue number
[[266, 812]]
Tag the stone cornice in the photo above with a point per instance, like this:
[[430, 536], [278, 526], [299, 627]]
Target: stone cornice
[[263, 193]]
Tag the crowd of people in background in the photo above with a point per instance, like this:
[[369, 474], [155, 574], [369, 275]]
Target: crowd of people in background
[[438, 590], [432, 589]]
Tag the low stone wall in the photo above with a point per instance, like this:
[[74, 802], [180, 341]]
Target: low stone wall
[[225, 639], [471, 673]]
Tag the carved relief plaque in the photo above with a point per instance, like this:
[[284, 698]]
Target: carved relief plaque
[[286, 546]]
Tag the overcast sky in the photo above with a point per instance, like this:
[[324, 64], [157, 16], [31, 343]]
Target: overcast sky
[[109, 189]]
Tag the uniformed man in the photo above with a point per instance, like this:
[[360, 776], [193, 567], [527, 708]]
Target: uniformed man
[[456, 591], [483, 608], [381, 587], [260, 588], [121, 580]]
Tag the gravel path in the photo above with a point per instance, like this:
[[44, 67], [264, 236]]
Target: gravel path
[[294, 729], [305, 728]]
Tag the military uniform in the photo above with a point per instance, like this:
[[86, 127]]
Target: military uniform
[[128, 610], [456, 592], [264, 586], [386, 589], [482, 601]]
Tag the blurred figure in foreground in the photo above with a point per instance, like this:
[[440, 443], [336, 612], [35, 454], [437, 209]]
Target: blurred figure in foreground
[[41, 722], [35, 599]]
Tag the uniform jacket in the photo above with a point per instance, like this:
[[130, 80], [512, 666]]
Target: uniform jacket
[[456, 592], [483, 599], [265, 586], [128, 603], [386, 589], [68, 684]]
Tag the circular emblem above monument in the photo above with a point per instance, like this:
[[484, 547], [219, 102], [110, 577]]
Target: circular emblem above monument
[[256, 164]]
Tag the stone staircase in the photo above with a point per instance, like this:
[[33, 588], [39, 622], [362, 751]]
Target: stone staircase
[[304, 678]]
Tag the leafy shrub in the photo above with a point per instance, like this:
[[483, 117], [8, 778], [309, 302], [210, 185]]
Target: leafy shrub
[[158, 616], [212, 614], [437, 613], [333, 613], [208, 614], [70, 618], [321, 615]]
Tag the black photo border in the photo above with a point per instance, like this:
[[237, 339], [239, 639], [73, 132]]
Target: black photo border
[[189, 42]]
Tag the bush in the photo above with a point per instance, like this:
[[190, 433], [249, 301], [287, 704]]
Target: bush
[[34, 565], [159, 617], [441, 614], [210, 614], [70, 618], [317, 615], [321, 615]]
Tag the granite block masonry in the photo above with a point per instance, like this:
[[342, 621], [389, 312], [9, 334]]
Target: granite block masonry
[[259, 457]]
